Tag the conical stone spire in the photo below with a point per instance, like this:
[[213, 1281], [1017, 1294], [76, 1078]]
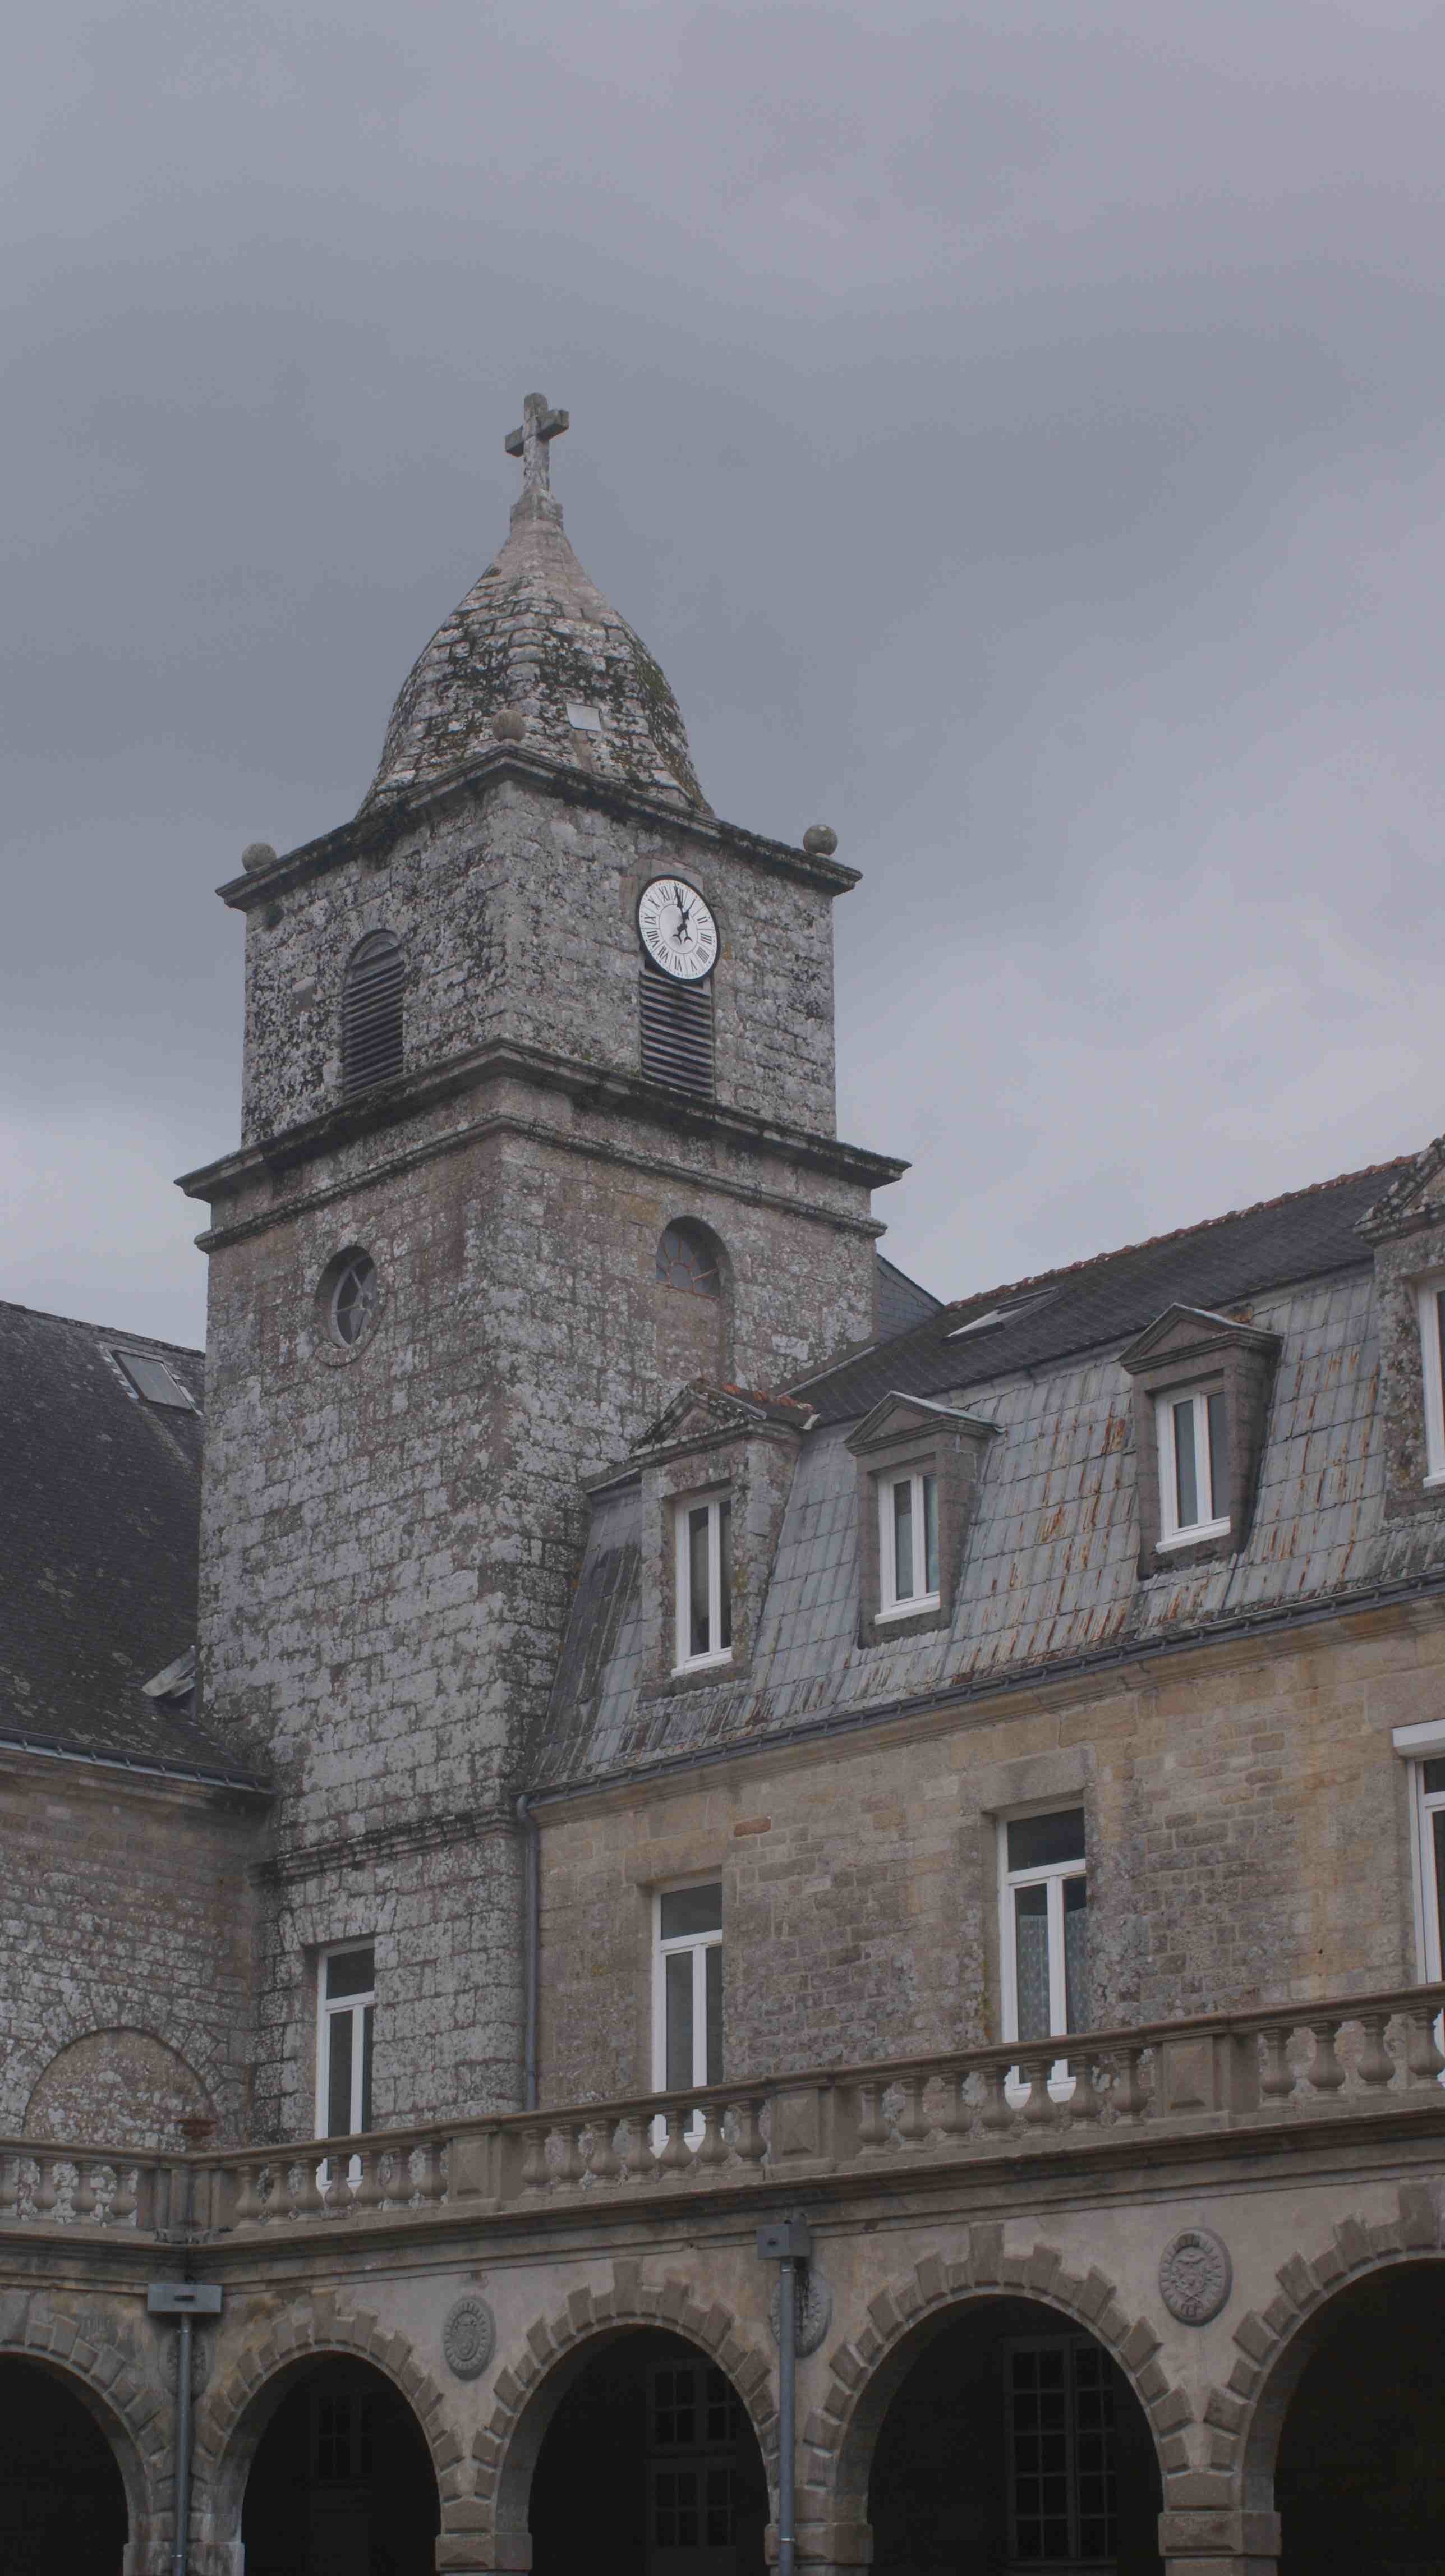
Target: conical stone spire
[[535, 644]]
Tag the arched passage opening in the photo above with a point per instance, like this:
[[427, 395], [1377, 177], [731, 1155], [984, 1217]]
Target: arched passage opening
[[1009, 2437], [648, 2465], [1360, 2471], [62, 2497], [341, 2483]]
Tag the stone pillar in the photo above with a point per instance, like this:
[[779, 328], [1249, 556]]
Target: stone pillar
[[1219, 2540]]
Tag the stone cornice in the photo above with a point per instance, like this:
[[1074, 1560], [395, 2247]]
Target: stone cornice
[[371, 837]]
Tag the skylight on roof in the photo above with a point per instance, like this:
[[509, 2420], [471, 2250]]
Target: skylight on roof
[[1000, 1314], [152, 1379]]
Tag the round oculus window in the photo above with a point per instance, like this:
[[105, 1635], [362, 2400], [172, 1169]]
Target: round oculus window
[[353, 1299]]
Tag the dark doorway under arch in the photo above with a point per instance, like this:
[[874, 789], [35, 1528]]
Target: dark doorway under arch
[[342, 2481], [1013, 2441], [62, 2500], [649, 2467], [1360, 2478]]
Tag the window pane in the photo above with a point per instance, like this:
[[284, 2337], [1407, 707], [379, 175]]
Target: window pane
[[677, 2008], [352, 1972], [713, 1972], [1035, 1842], [367, 2018], [725, 1582], [699, 1631], [903, 1539], [1031, 1961], [691, 1909], [1218, 1458], [1076, 1954], [1440, 1329], [1434, 1778], [930, 1533], [1186, 1480], [1438, 1821], [338, 2075]]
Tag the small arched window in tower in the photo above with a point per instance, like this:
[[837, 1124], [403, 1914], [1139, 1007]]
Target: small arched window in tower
[[371, 1012], [687, 1258]]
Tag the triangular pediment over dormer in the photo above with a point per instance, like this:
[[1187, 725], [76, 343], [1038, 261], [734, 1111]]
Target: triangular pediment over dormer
[[1189, 1333], [701, 1413], [902, 1417], [1414, 1201]]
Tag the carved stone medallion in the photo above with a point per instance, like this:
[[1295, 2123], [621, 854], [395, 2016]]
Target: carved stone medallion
[[469, 2338], [1195, 2275], [815, 2310]]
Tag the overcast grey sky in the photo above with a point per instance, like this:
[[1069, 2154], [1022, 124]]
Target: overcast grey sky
[[1016, 428]]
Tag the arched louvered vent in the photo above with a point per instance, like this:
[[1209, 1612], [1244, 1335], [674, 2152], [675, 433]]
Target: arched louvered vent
[[677, 1042], [371, 1012]]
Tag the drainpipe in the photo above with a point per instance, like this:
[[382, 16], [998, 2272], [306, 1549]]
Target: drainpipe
[[183, 2300], [788, 2243], [532, 1944]]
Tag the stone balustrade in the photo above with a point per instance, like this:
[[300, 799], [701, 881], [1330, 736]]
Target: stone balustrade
[[1238, 2073]]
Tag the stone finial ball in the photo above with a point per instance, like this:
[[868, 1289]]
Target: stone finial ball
[[819, 841], [509, 724], [257, 854]]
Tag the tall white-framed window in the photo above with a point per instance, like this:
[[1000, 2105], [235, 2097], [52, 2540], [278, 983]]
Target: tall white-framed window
[[907, 1543], [1044, 1944], [687, 1988], [1431, 1299], [1062, 2478], [1193, 1431], [346, 2013], [703, 1525], [1429, 1786]]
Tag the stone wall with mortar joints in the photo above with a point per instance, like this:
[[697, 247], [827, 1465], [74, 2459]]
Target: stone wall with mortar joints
[[1247, 1833], [126, 1907], [517, 913]]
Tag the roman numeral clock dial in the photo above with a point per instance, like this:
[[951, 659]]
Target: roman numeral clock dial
[[677, 930]]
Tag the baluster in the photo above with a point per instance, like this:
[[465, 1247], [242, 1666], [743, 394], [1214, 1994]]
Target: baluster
[[711, 2148], [912, 2121], [749, 2144], [45, 2191], [872, 2128], [123, 2204], [1276, 2082], [676, 2154], [310, 2200], [9, 2187], [605, 2163], [1084, 2102], [250, 2208], [637, 2162], [1039, 2107], [1128, 2095], [996, 2114], [1326, 2074], [535, 2176], [954, 2115], [573, 2164], [1375, 2066], [82, 2199], [367, 2192], [431, 2182], [1422, 2056]]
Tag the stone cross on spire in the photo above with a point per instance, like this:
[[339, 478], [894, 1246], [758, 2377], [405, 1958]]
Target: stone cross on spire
[[539, 427]]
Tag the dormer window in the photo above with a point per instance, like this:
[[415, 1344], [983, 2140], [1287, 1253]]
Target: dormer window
[[704, 1527], [1193, 1431], [1432, 1354], [908, 1544]]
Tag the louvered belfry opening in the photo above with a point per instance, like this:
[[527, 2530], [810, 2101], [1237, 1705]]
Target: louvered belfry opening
[[371, 1012], [677, 1040]]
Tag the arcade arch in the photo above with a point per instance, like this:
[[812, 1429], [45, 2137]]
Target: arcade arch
[[64, 2500]]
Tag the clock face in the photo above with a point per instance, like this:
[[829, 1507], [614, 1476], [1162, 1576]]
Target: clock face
[[677, 930]]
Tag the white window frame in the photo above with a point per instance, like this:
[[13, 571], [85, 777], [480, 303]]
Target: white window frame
[[1051, 1874], [1427, 1292], [699, 1943], [357, 2007], [682, 1510], [1173, 1532], [1416, 1746], [892, 1604]]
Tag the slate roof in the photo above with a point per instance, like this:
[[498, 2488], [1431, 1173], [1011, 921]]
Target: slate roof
[[901, 1301], [1050, 1576], [1304, 1235], [99, 1526]]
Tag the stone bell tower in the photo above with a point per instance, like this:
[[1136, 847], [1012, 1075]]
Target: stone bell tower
[[521, 1150]]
